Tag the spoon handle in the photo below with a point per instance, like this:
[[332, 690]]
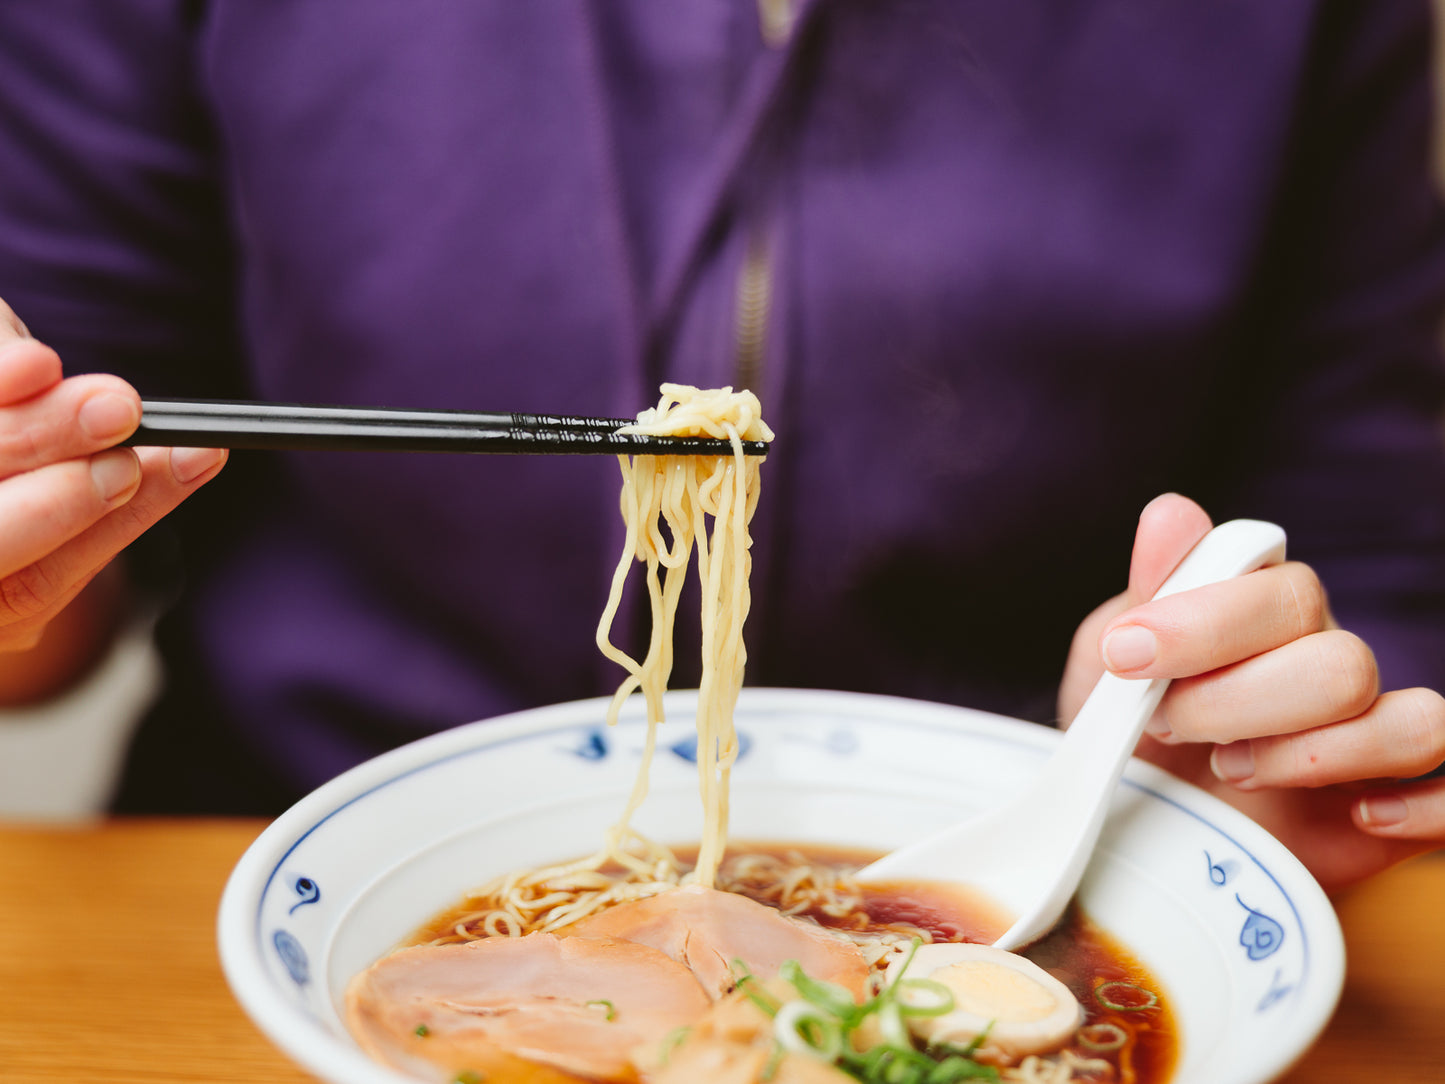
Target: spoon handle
[[1099, 742]]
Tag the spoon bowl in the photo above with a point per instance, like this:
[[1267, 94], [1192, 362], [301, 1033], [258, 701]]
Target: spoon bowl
[[1029, 854]]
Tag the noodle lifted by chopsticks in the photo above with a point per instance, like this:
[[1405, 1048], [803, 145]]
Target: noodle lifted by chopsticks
[[680, 493]]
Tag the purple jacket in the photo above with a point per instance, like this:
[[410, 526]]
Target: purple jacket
[[999, 272]]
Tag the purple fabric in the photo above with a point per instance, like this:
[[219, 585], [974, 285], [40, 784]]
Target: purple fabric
[[1031, 264]]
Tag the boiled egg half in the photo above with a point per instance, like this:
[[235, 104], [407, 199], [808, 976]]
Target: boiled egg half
[[1020, 1007]]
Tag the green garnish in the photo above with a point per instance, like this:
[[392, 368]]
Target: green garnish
[[924, 997], [611, 1008], [467, 1076], [422, 1031], [827, 996], [893, 1065], [775, 1059], [1125, 996], [1102, 1037], [671, 1041], [747, 985], [804, 1028], [822, 1022], [967, 1051]]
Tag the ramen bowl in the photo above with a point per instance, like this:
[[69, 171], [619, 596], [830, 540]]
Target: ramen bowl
[[1243, 942]]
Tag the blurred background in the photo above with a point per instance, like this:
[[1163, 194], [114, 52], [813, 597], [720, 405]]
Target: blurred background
[[58, 760]]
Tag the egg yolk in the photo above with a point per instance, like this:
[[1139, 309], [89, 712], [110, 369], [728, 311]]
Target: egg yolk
[[993, 991]]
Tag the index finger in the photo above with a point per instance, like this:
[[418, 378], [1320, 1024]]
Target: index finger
[[1216, 625], [72, 418], [11, 326], [27, 367]]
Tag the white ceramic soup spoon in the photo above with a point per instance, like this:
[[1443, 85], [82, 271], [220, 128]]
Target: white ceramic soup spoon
[[1029, 854]]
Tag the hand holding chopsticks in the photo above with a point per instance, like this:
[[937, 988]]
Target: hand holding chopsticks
[[282, 426]]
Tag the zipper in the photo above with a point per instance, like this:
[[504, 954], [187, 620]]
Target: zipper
[[754, 302], [755, 279]]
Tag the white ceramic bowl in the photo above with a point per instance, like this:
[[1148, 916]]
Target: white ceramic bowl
[[1240, 936]]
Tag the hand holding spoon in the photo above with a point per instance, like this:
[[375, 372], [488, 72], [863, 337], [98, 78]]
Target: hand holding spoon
[[1029, 854]]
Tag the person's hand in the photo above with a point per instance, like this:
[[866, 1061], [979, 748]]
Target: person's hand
[[1272, 706], [70, 500]]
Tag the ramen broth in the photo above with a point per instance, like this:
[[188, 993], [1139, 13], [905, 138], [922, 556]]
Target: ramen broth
[[1119, 996]]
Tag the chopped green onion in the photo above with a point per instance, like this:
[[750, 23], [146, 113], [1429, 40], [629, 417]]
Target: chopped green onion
[[770, 1068], [422, 1031], [890, 1065], [913, 948], [944, 1049], [611, 1008], [747, 985], [803, 1028], [923, 997], [1125, 996], [467, 1076], [822, 1023], [890, 1023], [955, 1068], [759, 999], [671, 1041], [1102, 1037], [828, 996]]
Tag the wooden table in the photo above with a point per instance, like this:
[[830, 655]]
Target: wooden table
[[108, 968]]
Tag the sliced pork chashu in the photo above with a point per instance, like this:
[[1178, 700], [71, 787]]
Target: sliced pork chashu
[[579, 1004], [706, 930]]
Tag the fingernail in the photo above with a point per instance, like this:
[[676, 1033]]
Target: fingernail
[[1233, 763], [188, 464], [1158, 727], [1383, 810], [108, 416], [1132, 647], [113, 473]]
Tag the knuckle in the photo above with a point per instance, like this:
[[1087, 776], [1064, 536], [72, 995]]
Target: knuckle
[[1196, 709], [27, 593], [1421, 729], [1302, 597], [21, 446], [1303, 758], [1349, 678], [136, 516]]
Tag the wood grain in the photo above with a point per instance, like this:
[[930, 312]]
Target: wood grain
[[1390, 1024], [108, 966]]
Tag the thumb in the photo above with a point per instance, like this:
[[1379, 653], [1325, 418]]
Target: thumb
[[1169, 527]]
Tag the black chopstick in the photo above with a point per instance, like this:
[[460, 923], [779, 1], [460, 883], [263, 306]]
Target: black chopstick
[[294, 427]]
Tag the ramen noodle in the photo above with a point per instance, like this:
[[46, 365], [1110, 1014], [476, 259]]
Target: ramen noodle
[[672, 507]]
